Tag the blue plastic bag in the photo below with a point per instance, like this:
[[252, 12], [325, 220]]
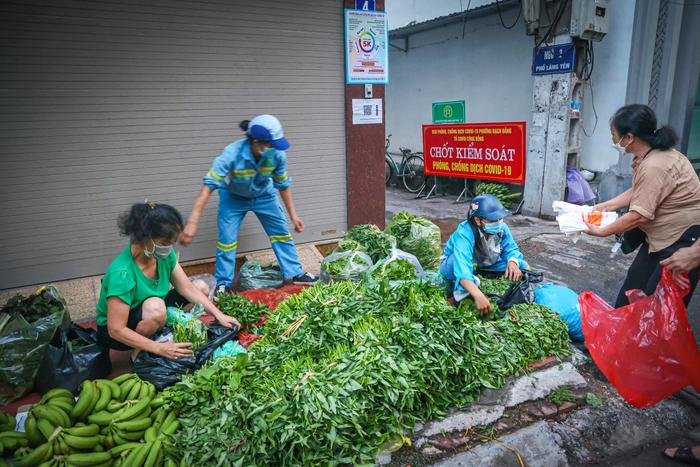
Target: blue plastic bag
[[564, 302]]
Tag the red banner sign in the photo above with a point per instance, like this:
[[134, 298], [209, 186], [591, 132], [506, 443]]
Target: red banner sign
[[485, 151]]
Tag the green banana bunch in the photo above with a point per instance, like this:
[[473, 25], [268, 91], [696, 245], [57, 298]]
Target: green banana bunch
[[7, 422], [499, 191]]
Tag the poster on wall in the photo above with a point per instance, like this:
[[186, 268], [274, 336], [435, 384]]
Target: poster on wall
[[485, 151], [367, 111], [366, 47]]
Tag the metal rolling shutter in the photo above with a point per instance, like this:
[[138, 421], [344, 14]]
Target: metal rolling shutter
[[105, 103]]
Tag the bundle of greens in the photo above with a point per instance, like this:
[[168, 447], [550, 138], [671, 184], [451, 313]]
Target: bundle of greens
[[419, 236], [347, 244], [345, 368], [246, 312], [345, 265], [499, 191], [376, 243], [396, 270], [468, 307], [498, 286], [193, 331], [36, 306]]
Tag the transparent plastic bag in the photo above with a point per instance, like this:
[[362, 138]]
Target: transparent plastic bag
[[345, 266], [174, 315], [253, 275], [418, 236], [646, 349], [572, 218], [396, 275]]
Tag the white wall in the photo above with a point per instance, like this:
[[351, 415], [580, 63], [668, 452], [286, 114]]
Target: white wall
[[612, 56], [489, 68], [404, 12]]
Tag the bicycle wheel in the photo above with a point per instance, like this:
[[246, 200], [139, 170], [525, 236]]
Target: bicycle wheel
[[387, 171], [412, 174]]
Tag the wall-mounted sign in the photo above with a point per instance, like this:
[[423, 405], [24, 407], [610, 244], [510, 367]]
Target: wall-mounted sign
[[484, 151], [367, 111], [449, 112], [365, 5], [366, 47], [554, 59]]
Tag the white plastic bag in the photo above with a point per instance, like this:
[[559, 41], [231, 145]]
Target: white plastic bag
[[572, 218]]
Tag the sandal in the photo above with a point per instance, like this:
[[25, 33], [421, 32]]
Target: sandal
[[684, 455]]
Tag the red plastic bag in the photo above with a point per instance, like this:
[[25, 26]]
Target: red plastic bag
[[646, 349]]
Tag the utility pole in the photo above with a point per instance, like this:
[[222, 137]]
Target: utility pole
[[561, 29]]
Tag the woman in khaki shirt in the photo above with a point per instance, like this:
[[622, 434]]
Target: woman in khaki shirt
[[664, 201]]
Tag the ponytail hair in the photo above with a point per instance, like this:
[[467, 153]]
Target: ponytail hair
[[151, 220], [640, 121], [244, 125]]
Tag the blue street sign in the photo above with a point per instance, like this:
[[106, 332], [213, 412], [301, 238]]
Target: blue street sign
[[366, 5], [554, 59]]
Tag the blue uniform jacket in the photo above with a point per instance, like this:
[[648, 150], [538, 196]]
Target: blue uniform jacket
[[237, 171], [461, 245]]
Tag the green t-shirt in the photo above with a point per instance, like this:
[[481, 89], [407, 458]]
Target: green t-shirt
[[124, 279]]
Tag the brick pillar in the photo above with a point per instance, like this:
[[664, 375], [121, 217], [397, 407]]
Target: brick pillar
[[364, 156]]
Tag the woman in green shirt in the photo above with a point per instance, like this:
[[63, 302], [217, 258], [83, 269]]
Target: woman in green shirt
[[136, 287]]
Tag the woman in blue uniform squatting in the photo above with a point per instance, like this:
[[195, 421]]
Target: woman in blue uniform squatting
[[484, 241], [248, 175]]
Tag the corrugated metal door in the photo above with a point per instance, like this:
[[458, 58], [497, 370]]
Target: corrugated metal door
[[105, 103]]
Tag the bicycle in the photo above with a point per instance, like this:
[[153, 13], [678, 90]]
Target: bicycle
[[410, 170]]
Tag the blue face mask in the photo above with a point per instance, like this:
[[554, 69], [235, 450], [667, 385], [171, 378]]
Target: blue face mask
[[494, 228], [267, 152]]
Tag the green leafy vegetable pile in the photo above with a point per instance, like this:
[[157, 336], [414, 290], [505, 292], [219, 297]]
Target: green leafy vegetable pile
[[419, 236], [246, 312], [396, 270], [376, 243], [345, 368], [34, 307], [345, 265], [498, 286], [193, 331], [347, 244]]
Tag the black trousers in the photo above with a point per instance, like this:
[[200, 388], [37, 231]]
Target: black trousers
[[645, 271]]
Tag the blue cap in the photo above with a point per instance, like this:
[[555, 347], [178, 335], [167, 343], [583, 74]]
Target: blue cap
[[268, 129], [487, 207]]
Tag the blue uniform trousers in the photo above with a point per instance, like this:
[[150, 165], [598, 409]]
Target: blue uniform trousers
[[232, 210]]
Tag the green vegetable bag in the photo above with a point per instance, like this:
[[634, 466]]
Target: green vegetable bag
[[419, 236], [345, 266]]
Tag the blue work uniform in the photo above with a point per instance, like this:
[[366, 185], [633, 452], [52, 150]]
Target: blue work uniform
[[245, 184], [460, 259]]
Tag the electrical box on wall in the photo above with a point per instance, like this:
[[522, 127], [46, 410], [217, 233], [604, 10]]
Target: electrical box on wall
[[589, 19]]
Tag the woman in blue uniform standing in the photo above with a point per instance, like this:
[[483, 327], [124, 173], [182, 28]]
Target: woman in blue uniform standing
[[248, 175], [484, 241]]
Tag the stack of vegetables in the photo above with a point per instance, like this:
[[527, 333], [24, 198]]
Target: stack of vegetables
[[112, 422], [418, 236], [345, 369]]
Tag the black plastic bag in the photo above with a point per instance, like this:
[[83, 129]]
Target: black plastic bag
[[164, 372], [520, 292], [66, 366], [22, 349]]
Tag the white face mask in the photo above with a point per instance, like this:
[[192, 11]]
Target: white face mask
[[621, 149]]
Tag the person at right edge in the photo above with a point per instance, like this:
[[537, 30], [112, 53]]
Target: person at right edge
[[248, 175], [664, 201]]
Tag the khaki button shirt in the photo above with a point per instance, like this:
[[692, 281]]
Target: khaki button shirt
[[666, 191]]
